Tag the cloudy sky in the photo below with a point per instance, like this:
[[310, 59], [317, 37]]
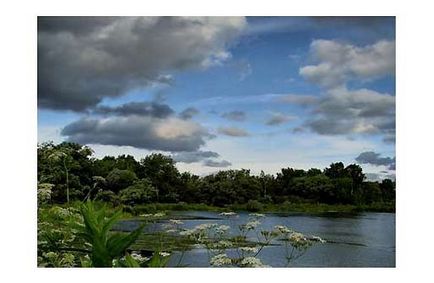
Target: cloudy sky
[[222, 93]]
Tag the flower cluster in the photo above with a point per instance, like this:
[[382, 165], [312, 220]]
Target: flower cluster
[[252, 262], [220, 260]]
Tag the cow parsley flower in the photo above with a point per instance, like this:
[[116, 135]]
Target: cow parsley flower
[[220, 260], [252, 250], [251, 262]]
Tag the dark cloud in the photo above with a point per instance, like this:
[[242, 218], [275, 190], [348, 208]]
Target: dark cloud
[[278, 119], [188, 113], [194, 156], [169, 134], [153, 109], [212, 163], [345, 112], [82, 60], [233, 132], [234, 115], [373, 158]]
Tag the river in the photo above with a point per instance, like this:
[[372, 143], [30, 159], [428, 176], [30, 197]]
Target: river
[[361, 240]]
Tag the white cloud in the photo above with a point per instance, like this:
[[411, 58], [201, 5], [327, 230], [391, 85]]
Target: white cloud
[[339, 62]]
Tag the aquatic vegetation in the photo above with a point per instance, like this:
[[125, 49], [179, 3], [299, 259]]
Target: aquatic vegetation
[[225, 249]]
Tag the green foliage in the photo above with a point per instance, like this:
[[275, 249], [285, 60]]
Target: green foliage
[[120, 179], [254, 206], [104, 246], [140, 192], [44, 193], [74, 175]]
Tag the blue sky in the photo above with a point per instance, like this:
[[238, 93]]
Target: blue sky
[[267, 92]]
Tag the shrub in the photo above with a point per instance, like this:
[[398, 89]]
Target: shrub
[[254, 206], [139, 193]]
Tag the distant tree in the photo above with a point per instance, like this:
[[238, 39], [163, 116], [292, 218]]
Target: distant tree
[[140, 192], [190, 190], [336, 170], [387, 187], [342, 190], [120, 179], [371, 192], [355, 172], [313, 172], [165, 177]]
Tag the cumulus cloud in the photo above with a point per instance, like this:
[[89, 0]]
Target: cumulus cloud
[[232, 131], [153, 109], [339, 62], [188, 113], [82, 60], [169, 134], [278, 119], [235, 115], [376, 177], [345, 112], [373, 158], [195, 156], [212, 163]]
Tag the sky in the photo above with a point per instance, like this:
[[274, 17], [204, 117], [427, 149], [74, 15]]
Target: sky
[[217, 93]]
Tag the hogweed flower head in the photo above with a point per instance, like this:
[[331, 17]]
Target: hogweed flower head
[[251, 261], [252, 250], [220, 260]]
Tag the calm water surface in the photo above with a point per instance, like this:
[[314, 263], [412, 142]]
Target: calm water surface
[[362, 240]]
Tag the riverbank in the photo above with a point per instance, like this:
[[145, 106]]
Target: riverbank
[[259, 207]]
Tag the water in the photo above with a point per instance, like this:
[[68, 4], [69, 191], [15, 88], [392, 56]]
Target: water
[[362, 240]]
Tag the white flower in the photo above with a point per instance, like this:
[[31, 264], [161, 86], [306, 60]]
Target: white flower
[[159, 214], [251, 225], [224, 244], [282, 229], [222, 229], [205, 226], [318, 239], [164, 254], [139, 257], [188, 232], [220, 260], [251, 262], [252, 250], [145, 215]]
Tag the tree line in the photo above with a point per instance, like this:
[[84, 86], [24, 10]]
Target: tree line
[[71, 173]]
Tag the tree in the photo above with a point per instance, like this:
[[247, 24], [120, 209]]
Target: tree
[[165, 177], [120, 179], [336, 170], [387, 187], [371, 192], [140, 192]]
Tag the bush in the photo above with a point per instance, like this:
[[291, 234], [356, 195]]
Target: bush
[[139, 193], [107, 196], [254, 206]]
